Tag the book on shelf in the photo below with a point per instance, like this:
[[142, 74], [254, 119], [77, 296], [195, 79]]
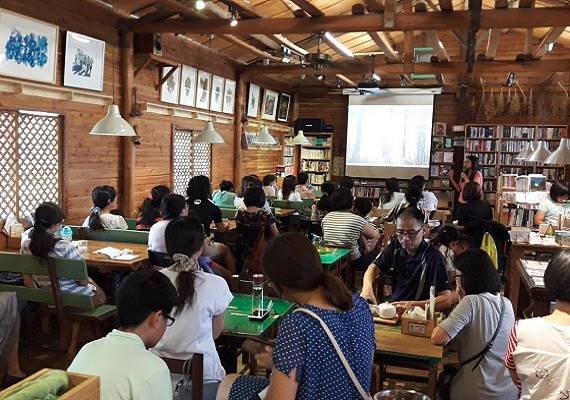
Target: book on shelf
[[317, 179], [439, 170], [551, 132], [448, 157], [514, 216], [448, 143], [315, 153], [437, 156], [518, 132], [437, 143], [482, 132], [480, 145], [315, 166]]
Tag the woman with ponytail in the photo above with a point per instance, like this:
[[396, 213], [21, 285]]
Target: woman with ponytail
[[304, 362], [150, 210], [100, 216], [199, 310], [44, 243]]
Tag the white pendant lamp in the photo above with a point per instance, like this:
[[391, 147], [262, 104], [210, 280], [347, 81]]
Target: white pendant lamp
[[301, 139], [540, 154], [526, 151], [264, 137], [209, 135], [561, 155], [113, 124]]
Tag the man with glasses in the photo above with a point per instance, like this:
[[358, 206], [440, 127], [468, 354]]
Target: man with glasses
[[128, 371], [413, 265]]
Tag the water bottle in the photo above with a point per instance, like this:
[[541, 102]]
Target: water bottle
[[66, 233], [257, 293]]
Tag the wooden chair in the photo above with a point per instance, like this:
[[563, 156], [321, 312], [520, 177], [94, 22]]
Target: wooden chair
[[193, 369], [131, 223], [74, 308], [229, 213], [110, 235], [297, 205]]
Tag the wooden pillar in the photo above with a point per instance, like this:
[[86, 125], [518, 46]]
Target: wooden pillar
[[128, 147], [240, 113], [294, 116]]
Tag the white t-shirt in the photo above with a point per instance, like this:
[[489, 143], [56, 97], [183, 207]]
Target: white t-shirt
[[109, 221], [397, 198], [551, 210], [428, 201], [156, 240], [293, 196], [127, 370], [343, 229], [192, 331], [240, 205]]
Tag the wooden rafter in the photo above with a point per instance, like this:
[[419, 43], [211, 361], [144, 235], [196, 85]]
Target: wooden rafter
[[507, 18], [551, 37], [379, 38], [552, 78], [345, 79], [408, 40], [389, 13], [474, 24], [494, 34], [528, 38], [244, 45], [433, 36], [245, 9], [307, 6]]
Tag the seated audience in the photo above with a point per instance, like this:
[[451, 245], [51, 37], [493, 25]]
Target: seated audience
[[303, 187], [482, 316], [324, 203], [198, 200], [475, 208], [225, 197], [113, 193], [346, 182], [270, 185], [391, 196], [150, 210], [172, 206], [304, 363], [101, 217], [451, 243], [44, 243], [247, 182], [287, 191], [127, 370], [411, 199], [10, 339], [550, 209], [343, 228], [199, 310], [413, 264], [363, 207], [537, 355], [254, 225], [428, 201]]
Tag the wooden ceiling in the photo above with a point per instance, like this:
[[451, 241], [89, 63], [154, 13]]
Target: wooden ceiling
[[470, 39]]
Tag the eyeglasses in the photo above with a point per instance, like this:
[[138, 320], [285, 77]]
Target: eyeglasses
[[169, 319], [410, 234]]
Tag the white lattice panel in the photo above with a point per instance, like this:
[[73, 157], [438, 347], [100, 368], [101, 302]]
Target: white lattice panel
[[8, 164], [189, 159], [38, 161]]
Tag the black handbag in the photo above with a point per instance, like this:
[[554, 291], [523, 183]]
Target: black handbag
[[443, 384]]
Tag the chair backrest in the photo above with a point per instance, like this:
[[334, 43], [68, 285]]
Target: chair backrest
[[389, 231], [162, 260], [193, 368], [297, 205], [62, 268], [110, 235], [131, 223], [228, 212]]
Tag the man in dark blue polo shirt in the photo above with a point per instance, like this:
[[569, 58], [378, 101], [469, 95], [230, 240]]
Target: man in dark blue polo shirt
[[413, 264]]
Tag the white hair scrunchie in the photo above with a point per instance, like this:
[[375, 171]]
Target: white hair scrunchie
[[183, 263], [95, 210]]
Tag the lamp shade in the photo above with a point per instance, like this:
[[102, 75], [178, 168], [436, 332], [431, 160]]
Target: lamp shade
[[209, 135], [112, 124], [540, 154], [264, 137], [561, 155], [526, 151], [300, 139]]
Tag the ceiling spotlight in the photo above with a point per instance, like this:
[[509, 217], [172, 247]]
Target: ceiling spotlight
[[233, 17], [302, 77], [403, 81], [549, 47], [338, 83], [511, 79], [200, 4], [285, 54]]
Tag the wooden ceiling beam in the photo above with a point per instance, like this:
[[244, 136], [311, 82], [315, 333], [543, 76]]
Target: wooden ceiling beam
[[389, 13], [309, 8], [408, 40], [379, 38], [343, 78], [551, 37], [507, 18], [474, 25], [374, 6], [433, 36], [552, 78], [245, 9], [526, 3], [246, 46], [494, 34], [528, 38]]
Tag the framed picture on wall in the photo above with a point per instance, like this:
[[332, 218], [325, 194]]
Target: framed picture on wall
[[84, 62], [253, 100], [439, 128], [217, 96], [229, 96], [203, 93], [169, 90], [188, 81], [269, 107], [29, 47], [283, 108]]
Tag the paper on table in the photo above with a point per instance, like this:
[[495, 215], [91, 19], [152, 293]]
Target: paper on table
[[125, 257], [116, 254]]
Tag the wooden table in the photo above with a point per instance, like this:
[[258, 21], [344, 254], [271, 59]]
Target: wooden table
[[99, 260], [284, 212], [534, 300], [395, 349], [232, 225]]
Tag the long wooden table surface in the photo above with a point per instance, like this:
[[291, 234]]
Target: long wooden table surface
[[390, 341], [99, 260], [232, 225]]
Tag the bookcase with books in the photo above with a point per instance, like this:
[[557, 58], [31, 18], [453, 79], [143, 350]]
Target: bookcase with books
[[316, 157], [288, 156], [442, 150]]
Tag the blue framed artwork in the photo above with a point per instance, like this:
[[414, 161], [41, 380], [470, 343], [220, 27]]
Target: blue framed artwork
[[28, 46], [84, 62]]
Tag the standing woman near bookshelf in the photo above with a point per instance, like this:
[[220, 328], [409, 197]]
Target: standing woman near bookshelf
[[471, 173]]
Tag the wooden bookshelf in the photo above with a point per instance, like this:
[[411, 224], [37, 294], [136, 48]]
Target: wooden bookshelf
[[316, 158], [441, 162], [288, 156]]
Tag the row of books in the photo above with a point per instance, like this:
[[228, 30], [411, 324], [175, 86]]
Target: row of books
[[289, 151], [367, 191], [481, 145], [316, 166], [518, 132], [511, 145], [320, 141], [287, 160], [523, 170], [551, 173], [510, 159], [551, 132], [317, 179], [487, 158], [439, 170], [489, 172], [482, 131], [490, 186], [315, 153], [442, 156], [442, 143], [517, 217]]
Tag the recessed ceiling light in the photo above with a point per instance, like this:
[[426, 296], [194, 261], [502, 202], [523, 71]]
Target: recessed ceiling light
[[200, 4]]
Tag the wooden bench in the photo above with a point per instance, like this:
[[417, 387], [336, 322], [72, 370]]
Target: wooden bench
[[193, 369], [110, 235], [229, 212], [131, 223], [68, 307], [295, 205]]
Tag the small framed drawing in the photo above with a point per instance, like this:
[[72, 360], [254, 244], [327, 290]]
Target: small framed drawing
[[229, 96], [283, 108], [188, 79], [29, 47], [84, 62], [169, 90], [203, 93], [269, 107], [217, 97], [253, 100], [439, 128]]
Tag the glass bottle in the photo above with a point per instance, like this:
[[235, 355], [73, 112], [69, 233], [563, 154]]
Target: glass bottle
[[257, 292]]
